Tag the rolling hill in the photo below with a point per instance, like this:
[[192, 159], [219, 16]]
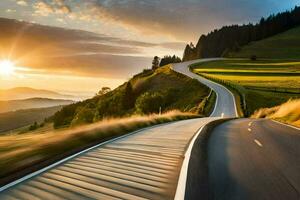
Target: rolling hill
[[232, 38], [26, 93], [13, 105], [282, 46], [21, 118], [147, 92]]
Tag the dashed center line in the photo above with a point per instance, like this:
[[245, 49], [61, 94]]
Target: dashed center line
[[258, 143], [250, 123], [249, 129]]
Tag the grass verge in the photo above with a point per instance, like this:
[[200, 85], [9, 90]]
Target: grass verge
[[25, 153], [210, 103], [288, 112]]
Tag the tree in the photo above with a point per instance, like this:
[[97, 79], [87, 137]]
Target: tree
[[149, 102], [155, 62], [103, 91], [33, 127], [169, 59], [253, 57], [129, 97], [85, 115]]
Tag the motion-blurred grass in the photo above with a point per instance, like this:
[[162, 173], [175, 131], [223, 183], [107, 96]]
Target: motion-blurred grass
[[20, 151], [288, 112]]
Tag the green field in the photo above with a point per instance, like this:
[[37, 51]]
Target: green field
[[282, 46], [265, 83]]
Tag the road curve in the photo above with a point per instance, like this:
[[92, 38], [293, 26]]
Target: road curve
[[226, 105], [254, 159]]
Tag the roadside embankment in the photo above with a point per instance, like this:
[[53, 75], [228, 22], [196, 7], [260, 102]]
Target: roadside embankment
[[25, 153]]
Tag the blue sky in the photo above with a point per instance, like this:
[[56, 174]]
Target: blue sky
[[150, 20]]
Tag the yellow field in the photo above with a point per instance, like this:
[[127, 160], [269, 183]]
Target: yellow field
[[265, 83], [261, 81]]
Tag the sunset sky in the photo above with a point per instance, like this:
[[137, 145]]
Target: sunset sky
[[118, 38]]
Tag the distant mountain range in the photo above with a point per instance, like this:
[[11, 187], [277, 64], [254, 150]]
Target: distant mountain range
[[19, 93], [13, 105]]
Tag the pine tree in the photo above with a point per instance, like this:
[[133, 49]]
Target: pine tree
[[155, 62]]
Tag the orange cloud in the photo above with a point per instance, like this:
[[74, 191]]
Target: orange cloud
[[56, 7]]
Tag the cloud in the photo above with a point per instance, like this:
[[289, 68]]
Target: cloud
[[65, 51], [63, 10], [10, 11], [44, 8], [22, 3], [173, 45], [179, 19], [94, 65]]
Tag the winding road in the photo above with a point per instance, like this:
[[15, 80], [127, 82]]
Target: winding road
[[148, 164], [225, 104]]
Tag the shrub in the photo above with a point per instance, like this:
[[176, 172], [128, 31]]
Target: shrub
[[33, 127], [84, 116], [253, 57], [149, 102]]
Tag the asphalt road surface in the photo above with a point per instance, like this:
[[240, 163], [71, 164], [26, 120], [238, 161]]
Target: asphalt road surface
[[254, 159]]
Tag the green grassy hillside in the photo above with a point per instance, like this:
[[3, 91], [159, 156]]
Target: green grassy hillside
[[145, 93], [282, 46]]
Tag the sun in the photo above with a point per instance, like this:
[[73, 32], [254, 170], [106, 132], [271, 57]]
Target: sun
[[7, 67]]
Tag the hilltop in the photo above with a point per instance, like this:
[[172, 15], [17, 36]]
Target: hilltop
[[146, 93]]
